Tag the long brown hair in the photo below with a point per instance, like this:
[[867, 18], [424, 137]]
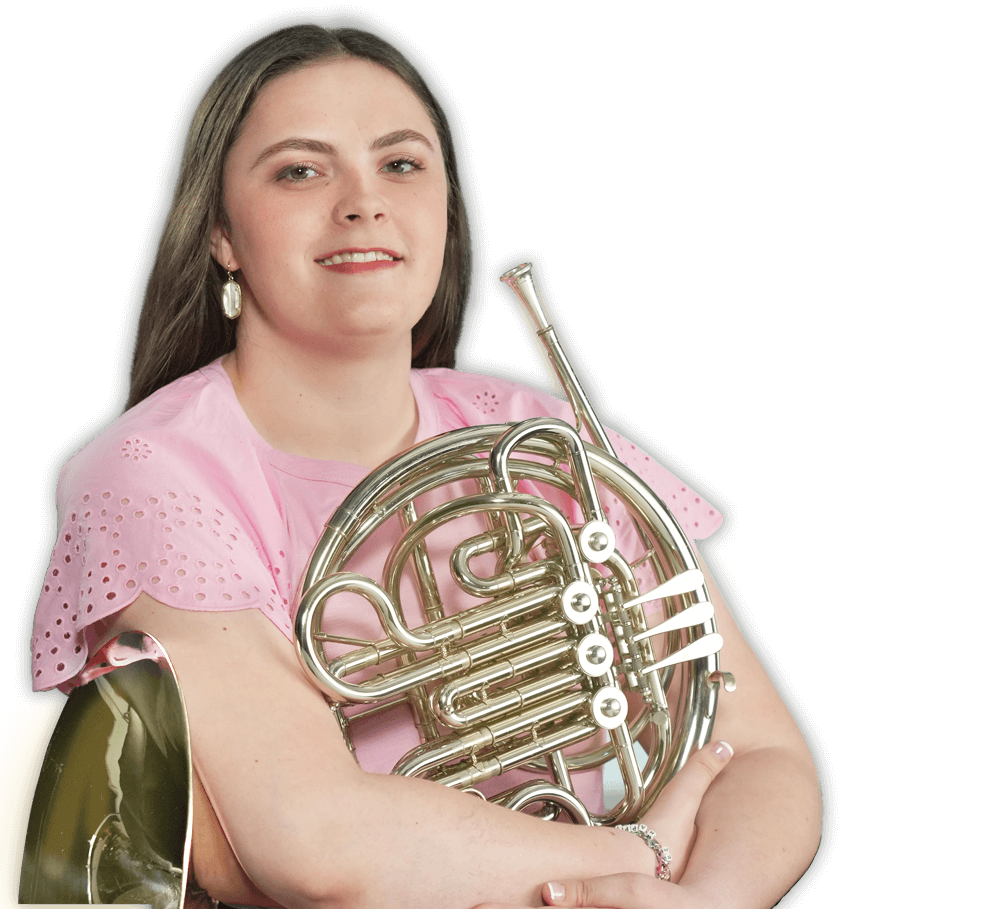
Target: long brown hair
[[182, 326]]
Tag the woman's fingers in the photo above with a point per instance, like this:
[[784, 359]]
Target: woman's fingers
[[673, 816], [684, 793], [614, 891], [674, 819]]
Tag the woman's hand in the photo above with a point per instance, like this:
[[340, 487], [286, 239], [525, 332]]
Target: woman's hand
[[675, 811], [615, 891], [621, 891], [672, 816]]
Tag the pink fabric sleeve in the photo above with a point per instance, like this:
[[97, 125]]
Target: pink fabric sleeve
[[478, 399], [698, 518], [133, 518]]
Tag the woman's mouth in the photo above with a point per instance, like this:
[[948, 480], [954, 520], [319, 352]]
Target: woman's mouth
[[348, 261]]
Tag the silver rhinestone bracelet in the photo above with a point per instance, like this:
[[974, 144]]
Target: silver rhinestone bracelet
[[663, 871]]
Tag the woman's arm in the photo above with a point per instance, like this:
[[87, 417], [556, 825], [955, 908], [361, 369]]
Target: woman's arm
[[308, 827], [759, 823]]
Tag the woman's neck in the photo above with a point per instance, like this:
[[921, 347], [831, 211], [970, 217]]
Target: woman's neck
[[356, 410]]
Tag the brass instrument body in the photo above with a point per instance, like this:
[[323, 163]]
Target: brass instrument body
[[112, 814], [558, 639]]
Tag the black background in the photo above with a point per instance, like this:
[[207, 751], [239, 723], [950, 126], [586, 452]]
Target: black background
[[674, 182]]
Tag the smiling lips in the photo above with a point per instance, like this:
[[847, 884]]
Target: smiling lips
[[350, 261]]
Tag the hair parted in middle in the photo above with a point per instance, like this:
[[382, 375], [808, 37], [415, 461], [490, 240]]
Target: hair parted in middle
[[181, 325]]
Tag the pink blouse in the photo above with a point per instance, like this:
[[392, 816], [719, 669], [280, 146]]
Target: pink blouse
[[180, 497]]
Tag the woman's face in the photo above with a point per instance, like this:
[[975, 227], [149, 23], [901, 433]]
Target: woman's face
[[336, 200]]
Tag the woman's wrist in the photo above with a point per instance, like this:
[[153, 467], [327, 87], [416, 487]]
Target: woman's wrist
[[660, 852], [640, 856]]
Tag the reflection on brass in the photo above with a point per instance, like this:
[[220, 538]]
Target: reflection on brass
[[112, 810], [562, 645]]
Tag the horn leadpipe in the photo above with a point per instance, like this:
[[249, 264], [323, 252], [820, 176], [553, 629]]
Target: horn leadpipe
[[520, 281]]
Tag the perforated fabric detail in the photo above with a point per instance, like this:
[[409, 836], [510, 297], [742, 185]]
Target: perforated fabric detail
[[195, 557], [698, 519], [181, 498], [487, 403]]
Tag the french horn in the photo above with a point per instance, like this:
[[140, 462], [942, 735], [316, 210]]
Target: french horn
[[583, 639]]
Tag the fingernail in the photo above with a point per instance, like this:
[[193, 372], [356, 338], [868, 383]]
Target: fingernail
[[556, 892], [723, 751]]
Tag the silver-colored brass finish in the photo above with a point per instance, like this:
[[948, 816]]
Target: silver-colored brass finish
[[563, 662]]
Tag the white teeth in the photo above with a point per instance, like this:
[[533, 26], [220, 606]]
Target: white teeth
[[372, 256]]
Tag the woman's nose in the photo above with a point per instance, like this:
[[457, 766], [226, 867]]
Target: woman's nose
[[359, 199]]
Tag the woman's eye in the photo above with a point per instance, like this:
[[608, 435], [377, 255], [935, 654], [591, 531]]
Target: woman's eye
[[402, 166], [297, 173]]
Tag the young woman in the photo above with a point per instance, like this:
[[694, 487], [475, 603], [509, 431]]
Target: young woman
[[307, 295]]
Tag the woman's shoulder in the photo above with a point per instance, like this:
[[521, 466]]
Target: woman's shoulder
[[468, 399], [165, 501], [165, 434], [474, 399]]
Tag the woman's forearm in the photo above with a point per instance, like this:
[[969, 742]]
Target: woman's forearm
[[306, 825], [759, 827]]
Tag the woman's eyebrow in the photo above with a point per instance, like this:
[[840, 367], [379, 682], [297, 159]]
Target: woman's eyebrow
[[298, 143], [400, 135]]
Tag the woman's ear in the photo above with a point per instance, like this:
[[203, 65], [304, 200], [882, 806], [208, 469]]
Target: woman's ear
[[221, 249]]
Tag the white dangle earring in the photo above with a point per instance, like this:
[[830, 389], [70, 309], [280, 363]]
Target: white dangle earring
[[231, 297]]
